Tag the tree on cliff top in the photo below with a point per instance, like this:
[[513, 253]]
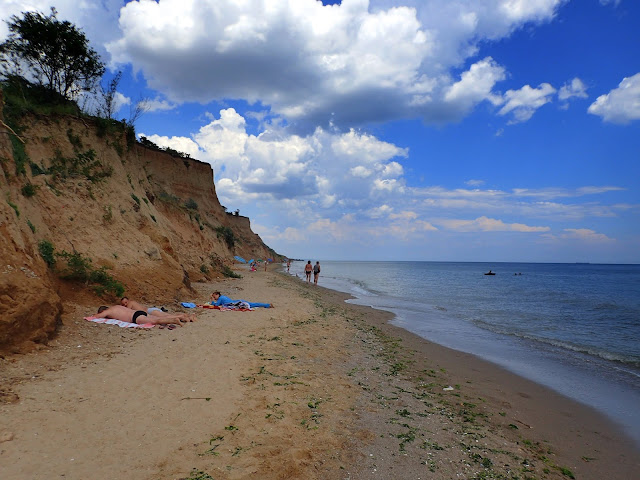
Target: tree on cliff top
[[56, 53]]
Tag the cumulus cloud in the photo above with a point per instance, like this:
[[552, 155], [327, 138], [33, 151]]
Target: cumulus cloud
[[380, 212], [621, 105], [344, 65], [120, 100], [475, 85], [523, 103], [330, 176], [323, 168], [340, 65], [157, 105], [350, 186], [181, 144], [575, 88]]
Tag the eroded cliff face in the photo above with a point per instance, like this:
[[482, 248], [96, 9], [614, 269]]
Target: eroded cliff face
[[153, 219]]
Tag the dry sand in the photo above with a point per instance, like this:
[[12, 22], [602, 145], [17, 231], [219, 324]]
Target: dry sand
[[312, 389]]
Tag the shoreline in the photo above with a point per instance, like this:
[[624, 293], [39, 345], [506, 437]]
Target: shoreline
[[314, 388], [546, 415], [601, 384]]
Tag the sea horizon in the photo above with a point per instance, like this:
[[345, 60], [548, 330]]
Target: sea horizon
[[463, 261]]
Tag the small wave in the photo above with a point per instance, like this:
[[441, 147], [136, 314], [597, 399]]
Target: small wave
[[357, 288], [360, 287], [628, 360]]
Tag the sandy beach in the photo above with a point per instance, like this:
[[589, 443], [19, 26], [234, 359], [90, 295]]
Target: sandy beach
[[313, 389]]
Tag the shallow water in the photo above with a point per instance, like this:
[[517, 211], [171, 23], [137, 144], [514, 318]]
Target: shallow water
[[572, 327]]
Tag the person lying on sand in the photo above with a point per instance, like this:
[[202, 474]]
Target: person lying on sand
[[218, 300], [133, 305], [124, 314]]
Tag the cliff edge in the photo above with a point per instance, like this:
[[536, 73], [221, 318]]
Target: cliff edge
[[86, 188]]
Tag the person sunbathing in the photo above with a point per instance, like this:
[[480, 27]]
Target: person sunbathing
[[218, 300], [124, 314], [133, 305]]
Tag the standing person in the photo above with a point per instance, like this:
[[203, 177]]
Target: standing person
[[308, 268], [288, 265], [316, 272]]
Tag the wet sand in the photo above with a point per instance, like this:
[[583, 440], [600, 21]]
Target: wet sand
[[314, 389]]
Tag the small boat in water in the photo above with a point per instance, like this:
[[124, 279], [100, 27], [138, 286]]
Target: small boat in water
[[489, 273]]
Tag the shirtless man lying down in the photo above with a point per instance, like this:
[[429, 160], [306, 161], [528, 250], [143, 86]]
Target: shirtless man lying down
[[124, 314], [133, 305]]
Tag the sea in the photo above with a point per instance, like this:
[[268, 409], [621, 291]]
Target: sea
[[572, 327]]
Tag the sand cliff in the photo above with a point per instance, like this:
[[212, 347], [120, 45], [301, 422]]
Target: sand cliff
[[151, 218]]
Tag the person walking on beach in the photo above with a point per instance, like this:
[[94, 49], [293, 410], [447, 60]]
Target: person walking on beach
[[288, 265], [308, 268], [316, 272]]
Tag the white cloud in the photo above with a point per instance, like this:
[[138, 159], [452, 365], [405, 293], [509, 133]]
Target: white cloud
[[474, 183], [156, 105], [584, 235], [344, 64], [380, 212], [181, 144], [337, 231], [576, 88], [549, 193], [120, 100], [365, 148], [405, 215], [351, 188], [475, 85], [475, 193], [523, 103], [485, 224], [361, 172], [322, 169], [621, 105]]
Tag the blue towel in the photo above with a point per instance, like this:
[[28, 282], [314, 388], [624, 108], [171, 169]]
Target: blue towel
[[188, 305]]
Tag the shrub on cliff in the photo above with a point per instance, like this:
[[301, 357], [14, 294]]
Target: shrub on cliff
[[227, 235], [79, 268], [47, 252]]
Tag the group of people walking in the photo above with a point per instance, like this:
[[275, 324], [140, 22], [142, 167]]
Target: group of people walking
[[308, 269]]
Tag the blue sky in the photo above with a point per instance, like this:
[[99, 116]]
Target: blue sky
[[456, 130]]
